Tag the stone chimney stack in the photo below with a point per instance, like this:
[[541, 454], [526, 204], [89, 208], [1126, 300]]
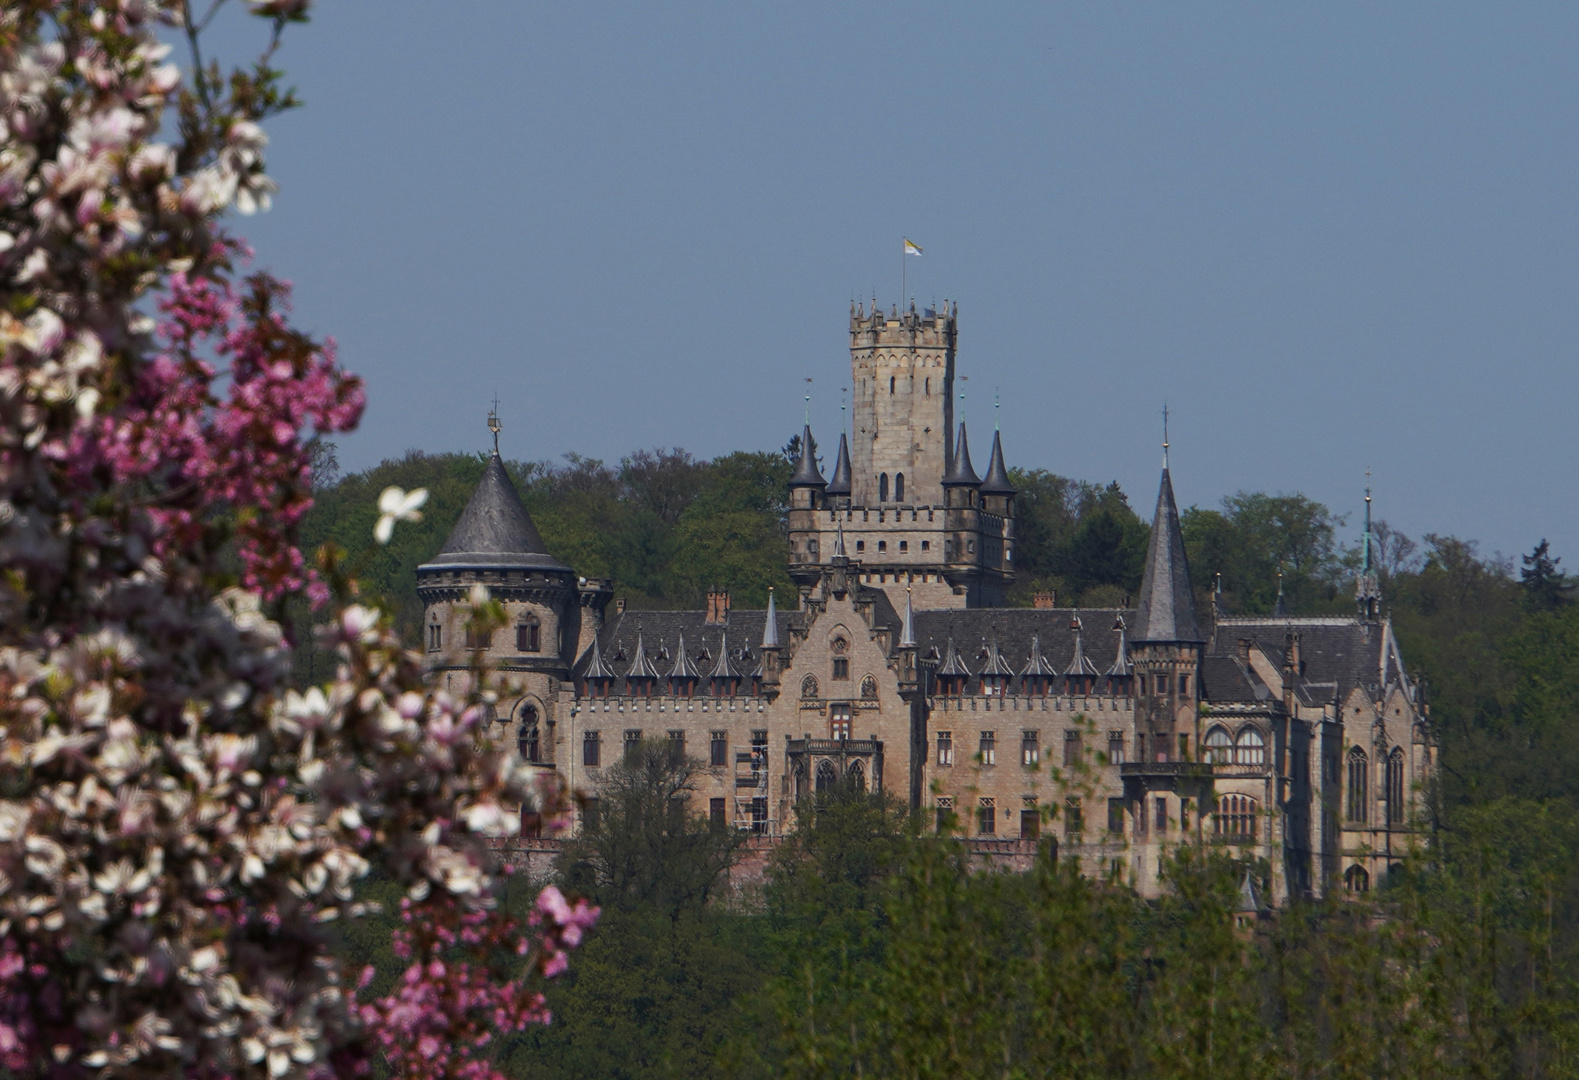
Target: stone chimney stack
[[1045, 600], [717, 607]]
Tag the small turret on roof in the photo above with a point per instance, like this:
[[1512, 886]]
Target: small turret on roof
[[907, 631], [641, 667], [1037, 666], [1121, 668], [806, 472], [770, 625], [952, 666], [725, 668], [683, 668], [960, 472], [995, 663], [1079, 664], [1280, 606], [996, 481], [597, 667], [840, 484]]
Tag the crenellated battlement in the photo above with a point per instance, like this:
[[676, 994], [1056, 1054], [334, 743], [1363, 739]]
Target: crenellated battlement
[[933, 328]]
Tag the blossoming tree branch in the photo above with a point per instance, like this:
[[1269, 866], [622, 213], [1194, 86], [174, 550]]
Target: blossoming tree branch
[[178, 829]]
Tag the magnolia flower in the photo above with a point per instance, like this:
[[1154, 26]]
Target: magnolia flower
[[394, 505]]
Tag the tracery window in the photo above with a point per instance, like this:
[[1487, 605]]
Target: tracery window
[[1395, 786], [1250, 748], [857, 775], [1236, 817], [527, 742], [808, 687], [827, 776], [1218, 746], [1358, 803], [1357, 880]]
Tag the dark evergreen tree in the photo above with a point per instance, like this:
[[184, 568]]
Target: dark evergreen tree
[[1546, 588]]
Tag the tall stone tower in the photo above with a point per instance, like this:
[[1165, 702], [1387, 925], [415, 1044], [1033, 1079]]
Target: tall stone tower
[[903, 370], [904, 504]]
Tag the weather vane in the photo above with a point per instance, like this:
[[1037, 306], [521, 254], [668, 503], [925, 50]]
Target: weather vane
[[808, 399], [493, 423], [1164, 434]]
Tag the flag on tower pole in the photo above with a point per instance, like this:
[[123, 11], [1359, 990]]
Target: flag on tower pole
[[911, 247]]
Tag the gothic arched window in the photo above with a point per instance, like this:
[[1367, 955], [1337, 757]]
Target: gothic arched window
[[869, 689], [1358, 801], [891, 382], [827, 776], [1395, 786], [1218, 746], [808, 687], [899, 487], [1356, 880], [882, 487], [1250, 748], [527, 741], [1236, 817], [857, 775]]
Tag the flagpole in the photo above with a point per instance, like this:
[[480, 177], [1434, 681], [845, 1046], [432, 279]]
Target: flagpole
[[904, 265]]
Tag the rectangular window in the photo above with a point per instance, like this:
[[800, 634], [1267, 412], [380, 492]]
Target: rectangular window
[[526, 637], [841, 667], [632, 741], [716, 815], [1074, 822], [987, 818], [1115, 816], [1030, 748], [989, 748], [945, 810], [435, 638], [718, 750], [945, 748], [590, 812], [860, 545], [1074, 747], [676, 745], [926, 545], [882, 546], [904, 546], [1184, 815], [476, 639], [1162, 816], [1115, 748], [839, 721], [1030, 823], [1184, 684], [591, 749]]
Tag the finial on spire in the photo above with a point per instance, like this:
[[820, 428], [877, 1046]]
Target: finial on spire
[[963, 379], [808, 399], [997, 403], [494, 425], [1164, 434]]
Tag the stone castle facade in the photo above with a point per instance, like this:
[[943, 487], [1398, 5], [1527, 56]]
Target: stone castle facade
[[1298, 742]]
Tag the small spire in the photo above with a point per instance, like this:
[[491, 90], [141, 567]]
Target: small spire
[[494, 425], [1079, 664], [907, 631], [1280, 609], [725, 668], [1038, 664], [997, 481], [1167, 606], [838, 540], [641, 667], [840, 484], [806, 472], [961, 473], [1121, 666], [770, 626], [597, 667], [1368, 590], [952, 664], [1164, 436]]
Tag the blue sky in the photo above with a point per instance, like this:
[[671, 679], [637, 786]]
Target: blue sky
[[1330, 236]]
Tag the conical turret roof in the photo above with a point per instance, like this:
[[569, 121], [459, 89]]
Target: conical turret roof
[[806, 472], [1121, 666], [960, 472], [996, 664], [1080, 663], [641, 667], [683, 667], [1038, 664], [1167, 607], [725, 668], [597, 667], [840, 484], [952, 664], [997, 479], [495, 529]]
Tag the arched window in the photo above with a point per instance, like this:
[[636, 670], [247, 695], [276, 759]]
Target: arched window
[[899, 487], [882, 488], [1395, 786], [1356, 880], [1250, 748], [1358, 801], [929, 388], [1236, 817], [1219, 747], [869, 689], [890, 384], [827, 776], [527, 742], [857, 775], [808, 687], [527, 637]]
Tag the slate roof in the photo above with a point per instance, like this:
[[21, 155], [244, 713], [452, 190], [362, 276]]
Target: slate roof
[[1012, 630], [1167, 607], [960, 473], [996, 481], [840, 484], [1339, 652], [494, 530], [661, 630], [1224, 679], [806, 472]]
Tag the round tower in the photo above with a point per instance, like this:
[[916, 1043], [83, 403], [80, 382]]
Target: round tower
[[496, 545]]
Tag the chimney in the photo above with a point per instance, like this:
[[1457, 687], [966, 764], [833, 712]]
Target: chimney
[[619, 605], [717, 607], [1045, 600]]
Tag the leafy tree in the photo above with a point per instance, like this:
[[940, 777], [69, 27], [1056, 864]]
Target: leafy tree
[[1254, 537], [1546, 588]]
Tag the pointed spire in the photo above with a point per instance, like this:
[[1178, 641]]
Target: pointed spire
[[1121, 666], [597, 667], [960, 473], [907, 631], [495, 529], [997, 480], [725, 668], [641, 667], [806, 471], [838, 539], [1167, 607], [952, 664], [1079, 664], [683, 667], [770, 625], [1280, 609], [996, 664], [1219, 605], [840, 484], [1038, 664], [1368, 589]]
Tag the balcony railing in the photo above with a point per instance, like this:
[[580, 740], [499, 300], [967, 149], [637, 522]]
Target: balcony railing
[[835, 746], [1198, 769]]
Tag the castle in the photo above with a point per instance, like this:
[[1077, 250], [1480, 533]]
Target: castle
[[1299, 742]]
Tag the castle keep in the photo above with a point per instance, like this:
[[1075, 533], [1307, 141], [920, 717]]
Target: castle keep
[[1299, 742]]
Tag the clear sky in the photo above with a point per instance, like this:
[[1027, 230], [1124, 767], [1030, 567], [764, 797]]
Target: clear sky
[[1330, 236]]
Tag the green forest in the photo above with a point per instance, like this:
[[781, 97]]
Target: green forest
[[869, 949]]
